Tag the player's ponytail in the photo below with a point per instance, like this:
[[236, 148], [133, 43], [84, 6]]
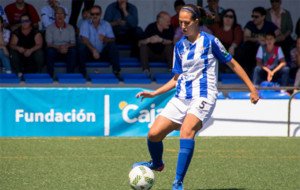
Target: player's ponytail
[[197, 11]]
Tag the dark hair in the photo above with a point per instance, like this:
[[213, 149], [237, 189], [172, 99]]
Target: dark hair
[[84, 10], [25, 15], [270, 34], [198, 12], [234, 18], [179, 3], [1, 19], [260, 10], [98, 7]]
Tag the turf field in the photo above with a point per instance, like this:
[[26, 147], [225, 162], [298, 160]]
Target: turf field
[[220, 163]]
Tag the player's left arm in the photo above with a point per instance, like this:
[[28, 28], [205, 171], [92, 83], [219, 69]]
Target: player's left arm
[[235, 66]]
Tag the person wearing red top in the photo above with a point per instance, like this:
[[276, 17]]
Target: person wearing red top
[[230, 33], [174, 19], [15, 10]]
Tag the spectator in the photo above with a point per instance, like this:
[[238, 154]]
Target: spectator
[[4, 39], [98, 42], [297, 30], [174, 19], [179, 34], [47, 13], [270, 62], [215, 10], [283, 20], [295, 58], [123, 17], [157, 44], [85, 15], [4, 17], [230, 33], [15, 10], [26, 48], [254, 33], [61, 42], [76, 7]]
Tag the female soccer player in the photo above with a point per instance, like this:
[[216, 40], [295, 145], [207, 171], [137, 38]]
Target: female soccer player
[[195, 58]]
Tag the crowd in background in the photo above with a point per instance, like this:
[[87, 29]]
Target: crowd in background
[[264, 46]]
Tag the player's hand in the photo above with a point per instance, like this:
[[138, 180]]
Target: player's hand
[[145, 94], [254, 97]]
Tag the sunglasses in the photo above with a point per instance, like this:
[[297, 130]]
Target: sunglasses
[[275, 1], [228, 16], [95, 14], [25, 21], [254, 16]]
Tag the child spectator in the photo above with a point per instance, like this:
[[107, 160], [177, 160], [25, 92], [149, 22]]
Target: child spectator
[[4, 39], [254, 36], [85, 15], [270, 63], [76, 7], [26, 44], [60, 38], [295, 58], [15, 10], [174, 19]]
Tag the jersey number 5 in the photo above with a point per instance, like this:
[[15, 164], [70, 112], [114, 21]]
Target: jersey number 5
[[202, 104]]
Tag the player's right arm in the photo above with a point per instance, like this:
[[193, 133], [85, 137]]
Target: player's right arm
[[165, 88]]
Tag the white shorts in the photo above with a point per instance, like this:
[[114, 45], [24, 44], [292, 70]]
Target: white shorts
[[177, 109]]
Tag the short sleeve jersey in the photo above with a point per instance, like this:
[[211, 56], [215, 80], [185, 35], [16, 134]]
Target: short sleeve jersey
[[196, 63], [88, 30], [264, 55]]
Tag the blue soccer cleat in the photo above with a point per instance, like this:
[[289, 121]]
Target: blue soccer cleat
[[150, 165], [178, 185]]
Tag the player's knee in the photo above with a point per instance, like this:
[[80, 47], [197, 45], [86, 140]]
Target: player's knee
[[154, 136], [187, 133]]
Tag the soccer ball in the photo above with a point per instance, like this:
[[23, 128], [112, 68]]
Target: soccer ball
[[141, 178]]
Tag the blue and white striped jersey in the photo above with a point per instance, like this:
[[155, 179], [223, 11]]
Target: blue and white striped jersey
[[197, 65]]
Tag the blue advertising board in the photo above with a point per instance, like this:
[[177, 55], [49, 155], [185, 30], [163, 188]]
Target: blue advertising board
[[77, 112]]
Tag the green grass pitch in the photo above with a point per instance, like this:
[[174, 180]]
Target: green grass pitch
[[219, 163]]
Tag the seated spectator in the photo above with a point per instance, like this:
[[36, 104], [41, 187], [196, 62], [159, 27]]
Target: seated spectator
[[4, 39], [85, 15], [295, 58], [61, 42], [254, 33], [123, 17], [283, 20], [157, 44], [230, 33], [215, 10], [179, 34], [76, 7], [98, 42], [26, 48], [47, 13], [15, 10], [174, 19], [297, 30], [270, 63], [4, 17]]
